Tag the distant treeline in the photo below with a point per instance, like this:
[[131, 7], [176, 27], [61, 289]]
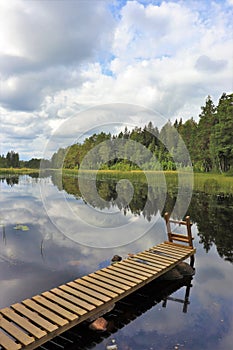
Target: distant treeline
[[11, 160], [209, 144]]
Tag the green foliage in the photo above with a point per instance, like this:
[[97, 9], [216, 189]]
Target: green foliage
[[12, 159], [206, 146], [33, 163], [3, 162], [205, 126], [210, 141], [221, 141], [21, 227], [210, 212]]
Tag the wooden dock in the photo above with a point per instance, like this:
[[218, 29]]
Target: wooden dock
[[32, 322], [125, 311]]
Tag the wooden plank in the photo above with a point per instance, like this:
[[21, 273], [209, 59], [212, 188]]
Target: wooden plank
[[98, 283], [153, 258], [98, 288], [55, 308], [8, 343], [74, 302], [141, 266], [176, 254], [87, 299], [143, 262], [23, 323], [132, 271], [181, 249], [83, 305], [153, 261], [181, 222], [66, 301], [45, 312], [158, 259], [161, 255], [16, 332], [114, 270], [123, 272], [33, 316], [89, 291], [136, 269], [180, 246], [179, 237], [120, 277], [169, 252], [106, 277]]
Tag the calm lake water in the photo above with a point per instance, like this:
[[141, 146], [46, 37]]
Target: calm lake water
[[52, 232]]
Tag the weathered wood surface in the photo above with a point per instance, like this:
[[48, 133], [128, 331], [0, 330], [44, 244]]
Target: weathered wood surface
[[34, 321], [173, 236]]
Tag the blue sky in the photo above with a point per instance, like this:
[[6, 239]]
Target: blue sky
[[59, 58]]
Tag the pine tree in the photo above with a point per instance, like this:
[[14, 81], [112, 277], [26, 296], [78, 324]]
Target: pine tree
[[222, 136], [12, 159], [205, 128]]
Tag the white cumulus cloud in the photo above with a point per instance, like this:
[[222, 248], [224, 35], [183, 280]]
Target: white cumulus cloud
[[58, 58]]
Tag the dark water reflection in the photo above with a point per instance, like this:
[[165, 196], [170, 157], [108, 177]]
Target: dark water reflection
[[213, 214], [42, 257]]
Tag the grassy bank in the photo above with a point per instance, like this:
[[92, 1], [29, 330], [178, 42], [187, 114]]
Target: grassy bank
[[20, 171], [205, 182], [213, 183]]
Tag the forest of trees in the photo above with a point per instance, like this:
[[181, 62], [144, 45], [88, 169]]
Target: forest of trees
[[209, 143], [11, 160]]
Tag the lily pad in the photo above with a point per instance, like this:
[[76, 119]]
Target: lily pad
[[21, 227]]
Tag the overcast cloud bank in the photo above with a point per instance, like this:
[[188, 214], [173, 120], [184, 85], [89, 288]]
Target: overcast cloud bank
[[58, 58]]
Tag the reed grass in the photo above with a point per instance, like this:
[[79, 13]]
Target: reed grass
[[204, 182], [18, 171]]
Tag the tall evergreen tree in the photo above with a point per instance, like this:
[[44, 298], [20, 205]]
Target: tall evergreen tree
[[3, 161], [12, 159], [209, 143], [188, 132], [205, 127], [221, 144]]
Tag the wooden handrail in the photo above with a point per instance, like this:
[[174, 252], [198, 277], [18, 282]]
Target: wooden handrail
[[172, 236]]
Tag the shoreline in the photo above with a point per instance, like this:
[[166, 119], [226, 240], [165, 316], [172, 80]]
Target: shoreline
[[213, 183]]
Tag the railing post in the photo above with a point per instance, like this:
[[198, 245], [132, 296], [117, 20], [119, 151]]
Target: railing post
[[189, 232], [169, 232]]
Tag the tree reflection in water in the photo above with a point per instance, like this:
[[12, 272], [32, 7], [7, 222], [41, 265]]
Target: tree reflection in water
[[210, 212]]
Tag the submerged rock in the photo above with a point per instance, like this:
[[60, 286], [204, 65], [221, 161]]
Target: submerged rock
[[100, 324], [116, 258], [172, 275], [101, 313], [185, 269]]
